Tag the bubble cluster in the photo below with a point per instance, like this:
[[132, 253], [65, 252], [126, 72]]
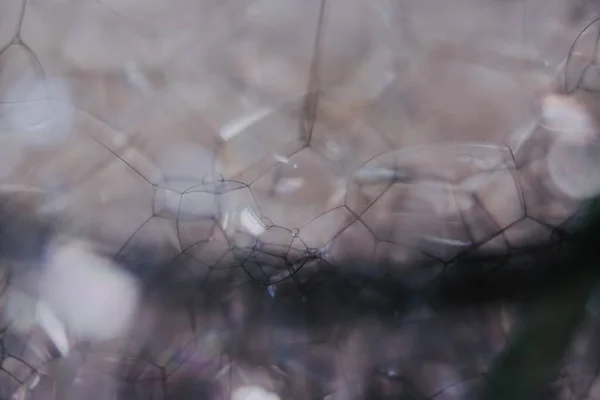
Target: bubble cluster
[[267, 190]]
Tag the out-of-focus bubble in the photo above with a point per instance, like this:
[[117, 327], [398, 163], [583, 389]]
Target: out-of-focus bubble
[[25, 109], [269, 71], [573, 161], [97, 39], [95, 299], [575, 170], [568, 118], [35, 119], [40, 122]]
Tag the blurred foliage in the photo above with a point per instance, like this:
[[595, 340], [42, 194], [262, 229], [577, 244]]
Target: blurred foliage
[[532, 359]]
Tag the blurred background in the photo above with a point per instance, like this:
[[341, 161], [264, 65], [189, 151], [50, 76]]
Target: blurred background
[[287, 137]]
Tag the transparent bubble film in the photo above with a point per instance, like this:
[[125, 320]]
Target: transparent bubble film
[[298, 199]]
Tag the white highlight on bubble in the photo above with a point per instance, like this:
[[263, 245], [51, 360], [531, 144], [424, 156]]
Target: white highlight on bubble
[[288, 186], [40, 121], [251, 223], [225, 221], [522, 134], [23, 312], [96, 299], [440, 240], [135, 77], [338, 195], [374, 175], [35, 380], [29, 384], [237, 126], [281, 159], [54, 328], [573, 159], [253, 393], [333, 150], [567, 117]]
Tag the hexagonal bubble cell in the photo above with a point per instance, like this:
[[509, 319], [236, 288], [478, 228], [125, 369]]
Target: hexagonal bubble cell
[[254, 144], [111, 205], [453, 196], [240, 218], [298, 189], [451, 163], [274, 257]]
